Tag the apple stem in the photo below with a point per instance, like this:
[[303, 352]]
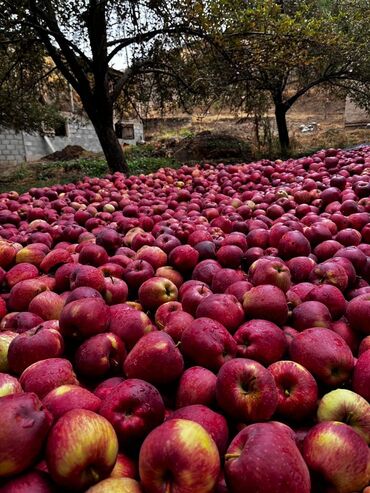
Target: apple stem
[[231, 456]]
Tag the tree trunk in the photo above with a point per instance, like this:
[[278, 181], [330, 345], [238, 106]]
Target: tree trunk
[[282, 127], [111, 147]]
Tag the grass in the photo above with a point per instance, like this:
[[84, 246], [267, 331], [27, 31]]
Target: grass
[[24, 176]]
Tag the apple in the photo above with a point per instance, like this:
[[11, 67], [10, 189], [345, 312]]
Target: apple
[[82, 448], [152, 254], [55, 259], [6, 338], [323, 353], [43, 376], [23, 292], [300, 268], [107, 386], [84, 317], [337, 456], [100, 356], [230, 256], [183, 258], [86, 275], [330, 272], [246, 391], [193, 296], [223, 278], [310, 314], [331, 297], [82, 292], [272, 272], [155, 359], [92, 254], [205, 270], [224, 308], [21, 272], [238, 289], [297, 391], [215, 424], [137, 272], [189, 462], [361, 375], [197, 385], [125, 467], [249, 468], [9, 385], [266, 302], [358, 313], [116, 291], [260, 340], [136, 324], [48, 305], [176, 323], [348, 407], [156, 291], [34, 345], [294, 244], [35, 481], [67, 397], [116, 485], [208, 343], [134, 408], [164, 311], [23, 436], [170, 273]]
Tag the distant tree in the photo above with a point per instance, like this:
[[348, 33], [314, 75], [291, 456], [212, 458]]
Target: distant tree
[[26, 75], [84, 38], [272, 52]]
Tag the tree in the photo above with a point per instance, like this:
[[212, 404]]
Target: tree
[[84, 37], [276, 51], [25, 72]]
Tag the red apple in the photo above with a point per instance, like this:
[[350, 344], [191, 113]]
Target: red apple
[[24, 430], [67, 397], [100, 355], [267, 302], [189, 462], [248, 468], [43, 376], [260, 340], [34, 345], [224, 308], [297, 391], [134, 409], [81, 450], [197, 385], [323, 353], [337, 456], [136, 324], [84, 317], [207, 343], [246, 391], [155, 359], [156, 291], [215, 424]]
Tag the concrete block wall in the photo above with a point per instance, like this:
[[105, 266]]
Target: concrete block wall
[[11, 147], [19, 147]]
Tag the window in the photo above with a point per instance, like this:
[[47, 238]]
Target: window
[[125, 131], [60, 130]]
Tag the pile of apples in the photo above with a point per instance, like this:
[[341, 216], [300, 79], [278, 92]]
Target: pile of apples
[[200, 330]]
